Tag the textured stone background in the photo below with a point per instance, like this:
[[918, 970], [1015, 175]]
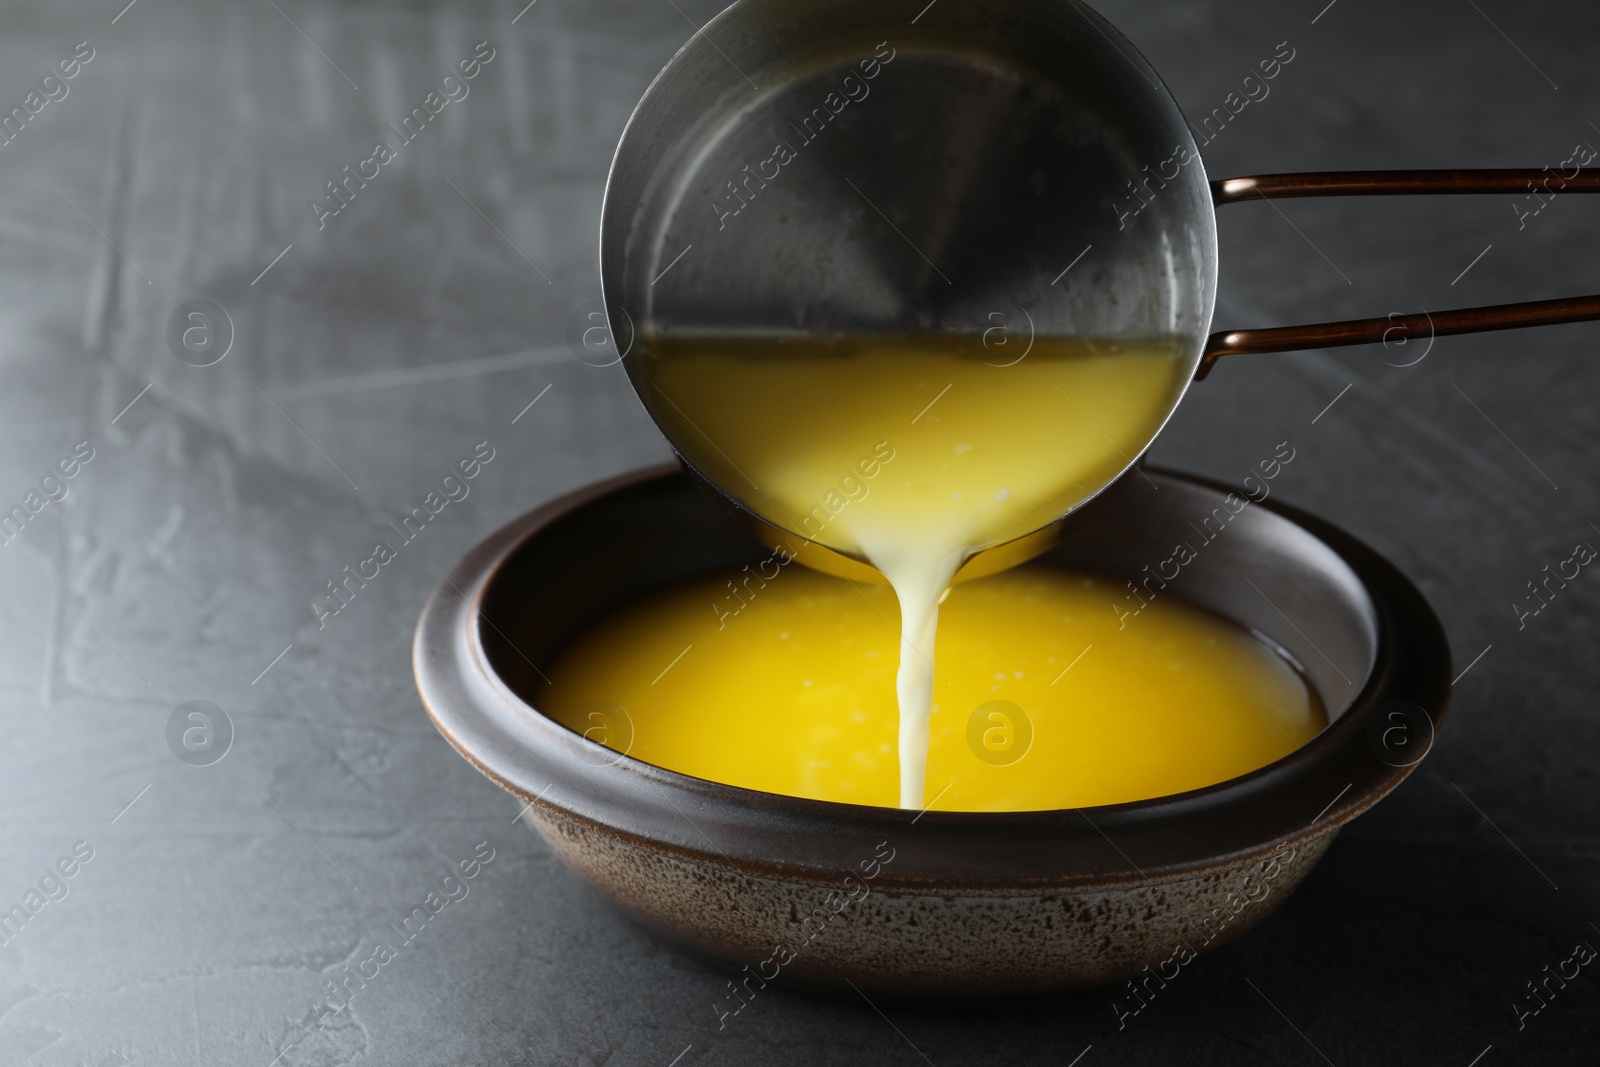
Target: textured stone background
[[186, 554]]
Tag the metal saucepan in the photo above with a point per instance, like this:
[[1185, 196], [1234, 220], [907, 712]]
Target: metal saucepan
[[858, 166]]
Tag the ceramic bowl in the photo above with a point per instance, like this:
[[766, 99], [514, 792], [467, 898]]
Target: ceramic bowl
[[937, 904]]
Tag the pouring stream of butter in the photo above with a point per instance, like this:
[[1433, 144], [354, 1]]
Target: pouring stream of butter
[[910, 452]]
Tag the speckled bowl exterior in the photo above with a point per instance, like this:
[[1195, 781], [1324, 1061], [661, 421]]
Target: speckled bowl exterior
[[936, 939], [936, 904]]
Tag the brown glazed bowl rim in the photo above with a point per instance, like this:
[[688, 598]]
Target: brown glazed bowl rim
[[1320, 786]]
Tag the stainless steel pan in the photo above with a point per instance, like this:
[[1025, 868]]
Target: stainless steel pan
[[821, 166]]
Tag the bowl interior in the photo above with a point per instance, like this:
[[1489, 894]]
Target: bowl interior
[[1184, 539]]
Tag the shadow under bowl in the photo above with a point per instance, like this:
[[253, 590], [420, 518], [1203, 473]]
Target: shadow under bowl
[[938, 904]]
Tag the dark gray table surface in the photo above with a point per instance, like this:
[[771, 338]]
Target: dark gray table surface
[[375, 353]]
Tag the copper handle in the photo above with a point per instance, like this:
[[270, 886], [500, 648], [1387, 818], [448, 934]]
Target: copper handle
[[1398, 183]]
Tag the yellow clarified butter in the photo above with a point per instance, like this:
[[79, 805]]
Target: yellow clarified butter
[[1042, 698], [911, 452]]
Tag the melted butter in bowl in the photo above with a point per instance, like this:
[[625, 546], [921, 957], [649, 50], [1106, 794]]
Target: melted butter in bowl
[[1042, 698]]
